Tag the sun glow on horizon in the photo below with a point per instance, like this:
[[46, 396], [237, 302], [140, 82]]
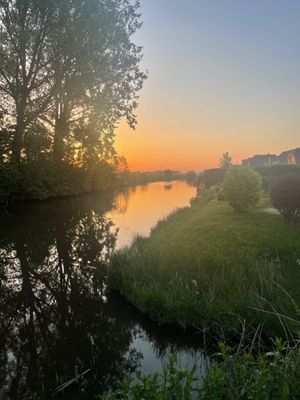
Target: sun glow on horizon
[[147, 151], [221, 79]]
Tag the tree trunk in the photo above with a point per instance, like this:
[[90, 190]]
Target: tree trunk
[[19, 134], [59, 132]]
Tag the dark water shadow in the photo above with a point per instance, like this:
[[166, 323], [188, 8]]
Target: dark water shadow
[[57, 317]]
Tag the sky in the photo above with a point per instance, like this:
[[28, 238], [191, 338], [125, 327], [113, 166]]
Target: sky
[[223, 75]]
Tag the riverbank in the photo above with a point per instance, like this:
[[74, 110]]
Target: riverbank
[[207, 267], [46, 179]]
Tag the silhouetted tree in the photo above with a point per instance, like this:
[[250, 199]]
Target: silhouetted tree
[[97, 77], [191, 177], [225, 161], [37, 143], [71, 65], [26, 79]]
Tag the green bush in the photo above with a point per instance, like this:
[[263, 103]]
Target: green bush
[[214, 193], [242, 188], [285, 196], [214, 176], [272, 173], [220, 195], [173, 384], [200, 179], [10, 182], [271, 376], [43, 179]]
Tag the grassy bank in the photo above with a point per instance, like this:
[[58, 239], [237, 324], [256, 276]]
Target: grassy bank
[[208, 267]]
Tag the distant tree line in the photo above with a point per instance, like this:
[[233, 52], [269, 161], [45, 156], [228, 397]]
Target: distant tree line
[[127, 177]]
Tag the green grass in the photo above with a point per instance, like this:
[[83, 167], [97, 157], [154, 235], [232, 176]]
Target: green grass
[[207, 266]]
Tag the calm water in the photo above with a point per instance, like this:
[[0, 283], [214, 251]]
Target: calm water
[[57, 317]]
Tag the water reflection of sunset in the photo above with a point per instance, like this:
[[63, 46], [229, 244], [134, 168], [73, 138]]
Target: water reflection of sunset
[[142, 207]]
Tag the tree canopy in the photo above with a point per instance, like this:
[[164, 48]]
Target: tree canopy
[[69, 71]]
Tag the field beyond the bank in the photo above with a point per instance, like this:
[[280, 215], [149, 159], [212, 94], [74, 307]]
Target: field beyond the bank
[[209, 267]]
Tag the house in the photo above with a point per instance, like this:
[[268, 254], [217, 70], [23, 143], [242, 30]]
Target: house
[[265, 160], [290, 157], [261, 160]]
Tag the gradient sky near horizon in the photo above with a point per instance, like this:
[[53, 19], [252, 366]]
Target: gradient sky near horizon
[[224, 75]]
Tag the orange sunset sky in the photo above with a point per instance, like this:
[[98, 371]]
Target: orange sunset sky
[[223, 76]]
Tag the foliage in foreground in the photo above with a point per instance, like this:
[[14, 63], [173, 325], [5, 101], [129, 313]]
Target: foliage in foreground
[[285, 196], [271, 376], [242, 188], [209, 267]]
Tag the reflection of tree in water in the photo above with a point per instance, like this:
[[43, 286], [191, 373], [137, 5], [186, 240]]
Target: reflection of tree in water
[[54, 314], [144, 187], [53, 309], [121, 199], [168, 186], [170, 339]]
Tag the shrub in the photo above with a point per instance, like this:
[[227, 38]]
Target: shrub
[[272, 173], [10, 181], [214, 193], [200, 179], [220, 192], [271, 376], [43, 179], [285, 196], [242, 188], [214, 176], [174, 383]]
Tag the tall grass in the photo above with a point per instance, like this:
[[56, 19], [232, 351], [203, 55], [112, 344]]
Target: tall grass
[[206, 266]]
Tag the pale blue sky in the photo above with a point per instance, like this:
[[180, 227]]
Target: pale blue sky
[[223, 75]]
